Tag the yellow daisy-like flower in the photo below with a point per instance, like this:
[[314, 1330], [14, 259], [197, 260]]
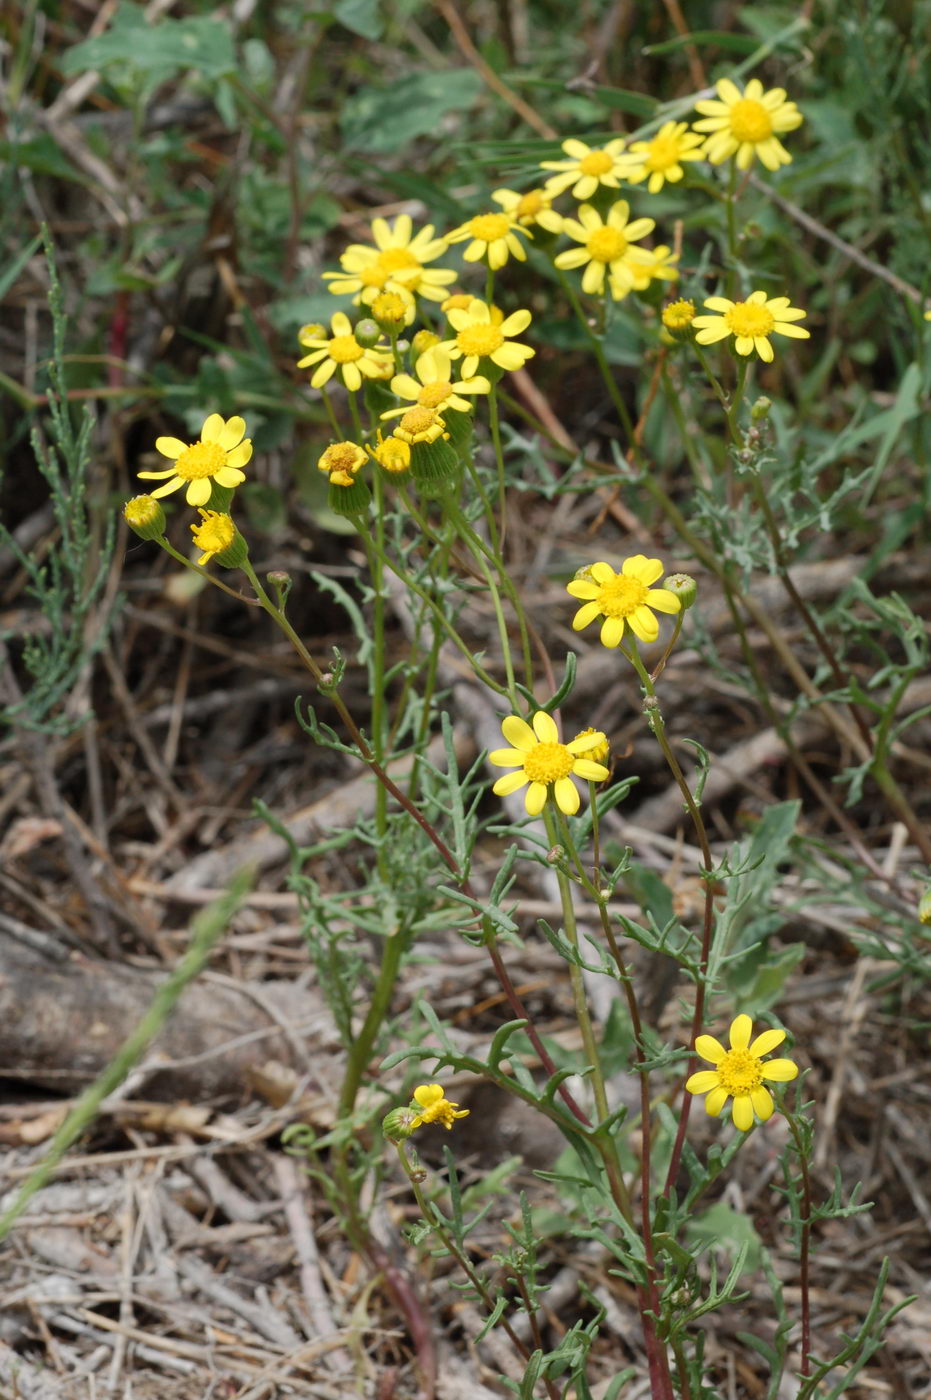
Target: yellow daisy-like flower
[[215, 534], [341, 352], [392, 454], [661, 157], [531, 207], [393, 311], [217, 456], [751, 322], [678, 315], [480, 336], [624, 600], [435, 1107], [544, 763], [420, 424], [494, 238], [660, 267], [586, 169], [747, 124], [606, 246], [739, 1073], [602, 752], [436, 389], [397, 260], [341, 461]]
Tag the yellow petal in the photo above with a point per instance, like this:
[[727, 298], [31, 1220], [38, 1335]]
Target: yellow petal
[[567, 796], [702, 1081], [544, 726], [709, 1049], [766, 1041], [742, 1113], [518, 733], [535, 799], [780, 1071], [741, 1029]]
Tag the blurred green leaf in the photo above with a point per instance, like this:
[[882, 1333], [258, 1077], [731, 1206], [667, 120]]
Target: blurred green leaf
[[361, 16], [157, 50], [388, 118]]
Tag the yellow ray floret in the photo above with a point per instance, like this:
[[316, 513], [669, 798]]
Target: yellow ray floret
[[435, 1107], [545, 763], [739, 1073]]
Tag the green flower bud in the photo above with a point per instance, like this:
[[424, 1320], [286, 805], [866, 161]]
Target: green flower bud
[[145, 517], [684, 587], [396, 1125], [367, 332]]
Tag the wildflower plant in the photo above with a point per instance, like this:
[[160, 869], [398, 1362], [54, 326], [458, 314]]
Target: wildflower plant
[[425, 477]]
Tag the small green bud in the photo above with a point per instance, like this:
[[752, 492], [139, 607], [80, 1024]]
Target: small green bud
[[145, 517], [396, 1125], [760, 409], [684, 587], [280, 581], [367, 332]]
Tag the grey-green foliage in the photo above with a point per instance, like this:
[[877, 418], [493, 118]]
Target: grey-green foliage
[[68, 583]]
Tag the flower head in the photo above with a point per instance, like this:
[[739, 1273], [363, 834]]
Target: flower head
[[658, 266], [739, 1073], [751, 322], [341, 461], [397, 260], [420, 424], [602, 751], [624, 600], [217, 456], [394, 310], [678, 316], [145, 517], [392, 454], [494, 239], [606, 245], [543, 762], [661, 157], [216, 535], [435, 1107], [436, 388], [586, 169], [480, 336], [341, 351], [746, 124], [530, 208]]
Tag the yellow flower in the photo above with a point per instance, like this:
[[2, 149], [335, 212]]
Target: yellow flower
[[605, 245], [392, 454], [144, 516], [420, 424], [397, 260], [435, 1107], [341, 461], [659, 267], [217, 456], [461, 301], [531, 207], [661, 157], [215, 534], [602, 752], [436, 389], [746, 124], [342, 352], [586, 169], [479, 336], [543, 762], [678, 315], [624, 600], [393, 310], [494, 237], [751, 322], [739, 1073]]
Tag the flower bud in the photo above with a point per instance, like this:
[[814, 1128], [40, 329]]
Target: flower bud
[[760, 409], [367, 332], [145, 517], [396, 1125], [424, 340], [684, 587]]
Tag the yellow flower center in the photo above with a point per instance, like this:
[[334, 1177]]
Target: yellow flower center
[[678, 315], [398, 260], [746, 318], [530, 204], [420, 424], [606, 244], [394, 455], [200, 460], [488, 227], [374, 275], [750, 121], [216, 534], [621, 596], [596, 163], [479, 340], [739, 1072], [343, 457], [601, 751], [432, 395], [388, 306], [663, 152], [548, 762], [344, 348]]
